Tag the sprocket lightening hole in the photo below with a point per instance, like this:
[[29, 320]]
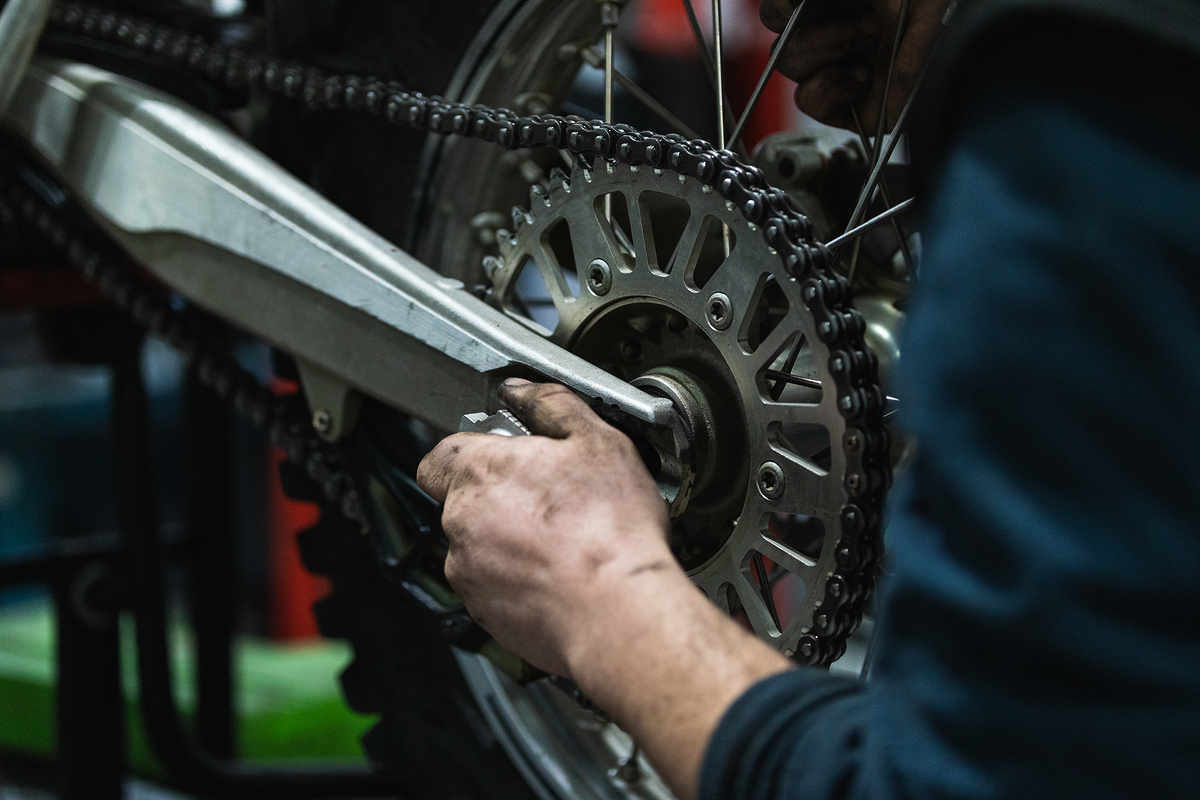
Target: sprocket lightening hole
[[792, 375], [557, 241], [801, 533], [665, 218], [806, 443], [532, 300], [707, 252], [767, 310], [617, 231]]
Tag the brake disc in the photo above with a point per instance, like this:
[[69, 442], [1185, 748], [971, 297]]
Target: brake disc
[[655, 277]]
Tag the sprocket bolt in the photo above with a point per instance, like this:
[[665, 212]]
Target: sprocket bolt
[[599, 277], [770, 480], [719, 311]]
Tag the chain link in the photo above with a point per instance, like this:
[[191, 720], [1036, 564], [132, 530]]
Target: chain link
[[827, 294]]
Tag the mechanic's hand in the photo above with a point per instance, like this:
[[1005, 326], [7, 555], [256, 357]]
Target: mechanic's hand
[[839, 53], [541, 526]]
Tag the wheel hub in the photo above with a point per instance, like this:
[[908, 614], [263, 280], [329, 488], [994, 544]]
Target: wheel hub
[[659, 349]]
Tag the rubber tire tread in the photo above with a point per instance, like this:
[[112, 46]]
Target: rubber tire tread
[[430, 734]]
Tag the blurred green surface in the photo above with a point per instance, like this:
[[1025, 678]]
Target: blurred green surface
[[289, 704]]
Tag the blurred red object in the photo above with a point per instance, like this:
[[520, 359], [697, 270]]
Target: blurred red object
[[293, 588], [38, 288], [661, 27]]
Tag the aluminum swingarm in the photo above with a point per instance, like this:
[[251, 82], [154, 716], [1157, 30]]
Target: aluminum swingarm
[[234, 232]]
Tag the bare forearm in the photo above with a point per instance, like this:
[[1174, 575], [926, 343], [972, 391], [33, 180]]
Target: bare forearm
[[666, 665]]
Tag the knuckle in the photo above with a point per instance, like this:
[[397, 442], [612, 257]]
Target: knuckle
[[453, 568], [456, 518]]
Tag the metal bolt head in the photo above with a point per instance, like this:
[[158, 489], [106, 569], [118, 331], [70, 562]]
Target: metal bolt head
[[322, 421], [719, 311], [631, 350], [770, 480], [599, 277]]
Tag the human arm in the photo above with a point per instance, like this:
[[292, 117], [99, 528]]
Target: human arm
[[558, 548]]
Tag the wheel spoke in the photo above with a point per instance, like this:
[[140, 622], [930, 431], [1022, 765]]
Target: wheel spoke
[[706, 58], [901, 241], [615, 242], [770, 347], [718, 68], [784, 376], [893, 408], [853, 260], [764, 587], [593, 57], [608, 17], [854, 233], [641, 230], [718, 61], [661, 111], [885, 153], [780, 44], [901, 19], [691, 243]]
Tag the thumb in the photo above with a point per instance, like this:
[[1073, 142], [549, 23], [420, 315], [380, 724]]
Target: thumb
[[548, 409]]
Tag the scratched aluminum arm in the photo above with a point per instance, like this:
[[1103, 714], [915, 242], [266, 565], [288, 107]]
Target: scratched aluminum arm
[[234, 232]]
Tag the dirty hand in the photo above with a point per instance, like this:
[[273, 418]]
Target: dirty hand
[[558, 546], [839, 53], [542, 528]]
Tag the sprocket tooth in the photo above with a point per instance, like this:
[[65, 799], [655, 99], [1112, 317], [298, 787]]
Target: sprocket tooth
[[505, 241], [491, 266], [538, 198], [559, 181], [521, 217]]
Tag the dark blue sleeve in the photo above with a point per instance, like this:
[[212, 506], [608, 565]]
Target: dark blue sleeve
[[1039, 631]]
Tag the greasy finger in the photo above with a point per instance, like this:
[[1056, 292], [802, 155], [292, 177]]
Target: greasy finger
[[843, 42], [445, 464], [548, 409]]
